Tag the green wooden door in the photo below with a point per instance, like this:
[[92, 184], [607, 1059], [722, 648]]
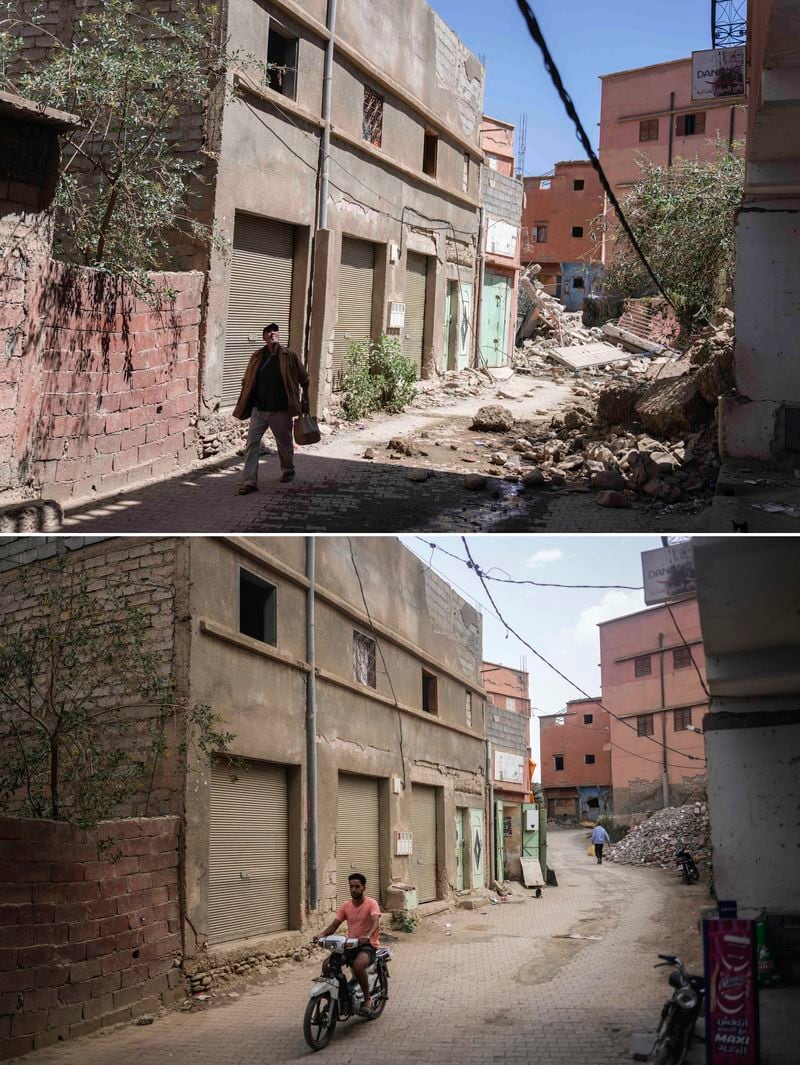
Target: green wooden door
[[495, 313], [477, 847], [460, 848]]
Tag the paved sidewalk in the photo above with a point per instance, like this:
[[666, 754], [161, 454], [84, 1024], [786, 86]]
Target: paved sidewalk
[[505, 986]]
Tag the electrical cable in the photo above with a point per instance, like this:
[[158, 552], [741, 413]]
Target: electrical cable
[[689, 649], [479, 573], [551, 68]]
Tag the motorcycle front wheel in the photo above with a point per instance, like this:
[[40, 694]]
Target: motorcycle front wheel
[[319, 1021], [379, 999]]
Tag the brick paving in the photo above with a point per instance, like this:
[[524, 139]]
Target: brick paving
[[504, 987], [345, 495]]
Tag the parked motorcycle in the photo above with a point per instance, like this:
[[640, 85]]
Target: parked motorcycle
[[335, 998], [678, 1015], [686, 864]]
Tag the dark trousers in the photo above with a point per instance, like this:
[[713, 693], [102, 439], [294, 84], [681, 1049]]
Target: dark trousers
[[598, 850]]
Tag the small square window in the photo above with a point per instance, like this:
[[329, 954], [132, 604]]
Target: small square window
[[681, 658], [560, 719], [541, 234], [577, 282], [642, 666], [430, 693], [372, 118], [282, 62], [544, 183], [577, 185], [689, 125], [644, 725], [588, 719], [648, 130], [364, 659], [588, 759], [682, 718], [577, 231], [430, 150], [558, 763], [257, 608]]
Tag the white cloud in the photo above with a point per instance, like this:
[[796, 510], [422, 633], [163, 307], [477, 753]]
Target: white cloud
[[614, 604], [542, 557]]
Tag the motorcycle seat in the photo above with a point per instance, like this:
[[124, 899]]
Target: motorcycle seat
[[383, 953]]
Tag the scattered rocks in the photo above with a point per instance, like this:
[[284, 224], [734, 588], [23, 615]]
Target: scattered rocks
[[475, 482], [418, 475], [656, 840], [609, 480], [493, 419], [533, 478], [498, 458], [612, 499], [369, 453]]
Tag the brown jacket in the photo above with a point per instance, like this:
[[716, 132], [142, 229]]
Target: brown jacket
[[294, 378]]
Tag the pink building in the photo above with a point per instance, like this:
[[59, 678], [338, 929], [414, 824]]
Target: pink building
[[575, 750], [649, 111], [653, 676]]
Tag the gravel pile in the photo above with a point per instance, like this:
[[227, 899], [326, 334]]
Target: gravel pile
[[657, 840]]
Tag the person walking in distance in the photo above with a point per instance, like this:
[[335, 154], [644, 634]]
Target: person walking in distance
[[599, 837], [274, 392], [363, 916]]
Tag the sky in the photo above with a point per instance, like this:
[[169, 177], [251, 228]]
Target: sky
[[586, 38], [561, 623]]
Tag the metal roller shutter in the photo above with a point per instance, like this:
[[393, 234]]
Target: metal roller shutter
[[414, 328], [260, 292], [357, 834], [248, 869], [423, 827], [354, 321]]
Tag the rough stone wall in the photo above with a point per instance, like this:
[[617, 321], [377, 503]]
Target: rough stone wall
[[89, 926], [150, 570], [98, 389]]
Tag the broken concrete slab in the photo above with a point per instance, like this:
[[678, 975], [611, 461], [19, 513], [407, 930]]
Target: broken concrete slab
[[584, 356]]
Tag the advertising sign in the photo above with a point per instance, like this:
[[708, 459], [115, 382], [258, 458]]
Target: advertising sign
[[501, 238], [729, 949], [508, 767], [718, 73], [668, 573]]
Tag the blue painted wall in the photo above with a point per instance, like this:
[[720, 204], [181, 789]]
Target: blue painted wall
[[592, 275]]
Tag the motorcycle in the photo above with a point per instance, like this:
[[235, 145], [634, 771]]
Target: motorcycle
[[686, 864], [678, 1015], [334, 998]]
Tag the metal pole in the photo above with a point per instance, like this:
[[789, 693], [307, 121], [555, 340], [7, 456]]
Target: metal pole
[[479, 293], [664, 776], [311, 725], [325, 140], [671, 126]]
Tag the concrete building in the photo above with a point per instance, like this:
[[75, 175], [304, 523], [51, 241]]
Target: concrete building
[[508, 724], [762, 420], [575, 751], [501, 217], [391, 138], [652, 668], [556, 222], [391, 778], [747, 595]]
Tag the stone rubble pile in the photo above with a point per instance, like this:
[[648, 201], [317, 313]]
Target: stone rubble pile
[[657, 840]]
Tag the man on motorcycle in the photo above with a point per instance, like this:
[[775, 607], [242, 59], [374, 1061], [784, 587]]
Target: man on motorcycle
[[363, 916]]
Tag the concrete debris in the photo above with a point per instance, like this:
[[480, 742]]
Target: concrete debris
[[493, 419], [657, 840]]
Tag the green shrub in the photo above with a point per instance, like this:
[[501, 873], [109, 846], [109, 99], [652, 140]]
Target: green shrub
[[376, 376], [408, 922]]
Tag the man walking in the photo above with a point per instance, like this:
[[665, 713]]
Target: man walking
[[363, 916], [599, 837], [274, 392]]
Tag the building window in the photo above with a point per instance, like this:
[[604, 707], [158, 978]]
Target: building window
[[372, 121], [282, 62], [577, 185], [644, 725], [682, 718], [648, 130], [558, 763], [364, 659], [588, 719], [430, 150], [466, 172], [577, 282], [430, 693], [588, 759], [541, 234], [642, 666], [468, 709], [544, 183], [257, 608], [689, 125], [560, 719], [577, 231], [681, 658]]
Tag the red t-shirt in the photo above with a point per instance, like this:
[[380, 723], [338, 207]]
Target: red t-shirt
[[359, 919]]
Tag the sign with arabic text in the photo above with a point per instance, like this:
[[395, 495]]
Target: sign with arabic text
[[718, 73]]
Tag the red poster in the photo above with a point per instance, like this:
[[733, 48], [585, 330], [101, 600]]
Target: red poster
[[731, 992]]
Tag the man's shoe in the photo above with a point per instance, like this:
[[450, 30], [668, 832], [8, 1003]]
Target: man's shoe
[[246, 489], [287, 475]]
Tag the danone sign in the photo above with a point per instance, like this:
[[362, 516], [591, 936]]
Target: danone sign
[[668, 573], [718, 73]]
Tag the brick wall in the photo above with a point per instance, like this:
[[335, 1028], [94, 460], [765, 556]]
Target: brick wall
[[98, 389], [90, 935]]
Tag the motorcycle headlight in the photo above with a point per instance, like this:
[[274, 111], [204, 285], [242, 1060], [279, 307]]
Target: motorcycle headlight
[[686, 998]]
